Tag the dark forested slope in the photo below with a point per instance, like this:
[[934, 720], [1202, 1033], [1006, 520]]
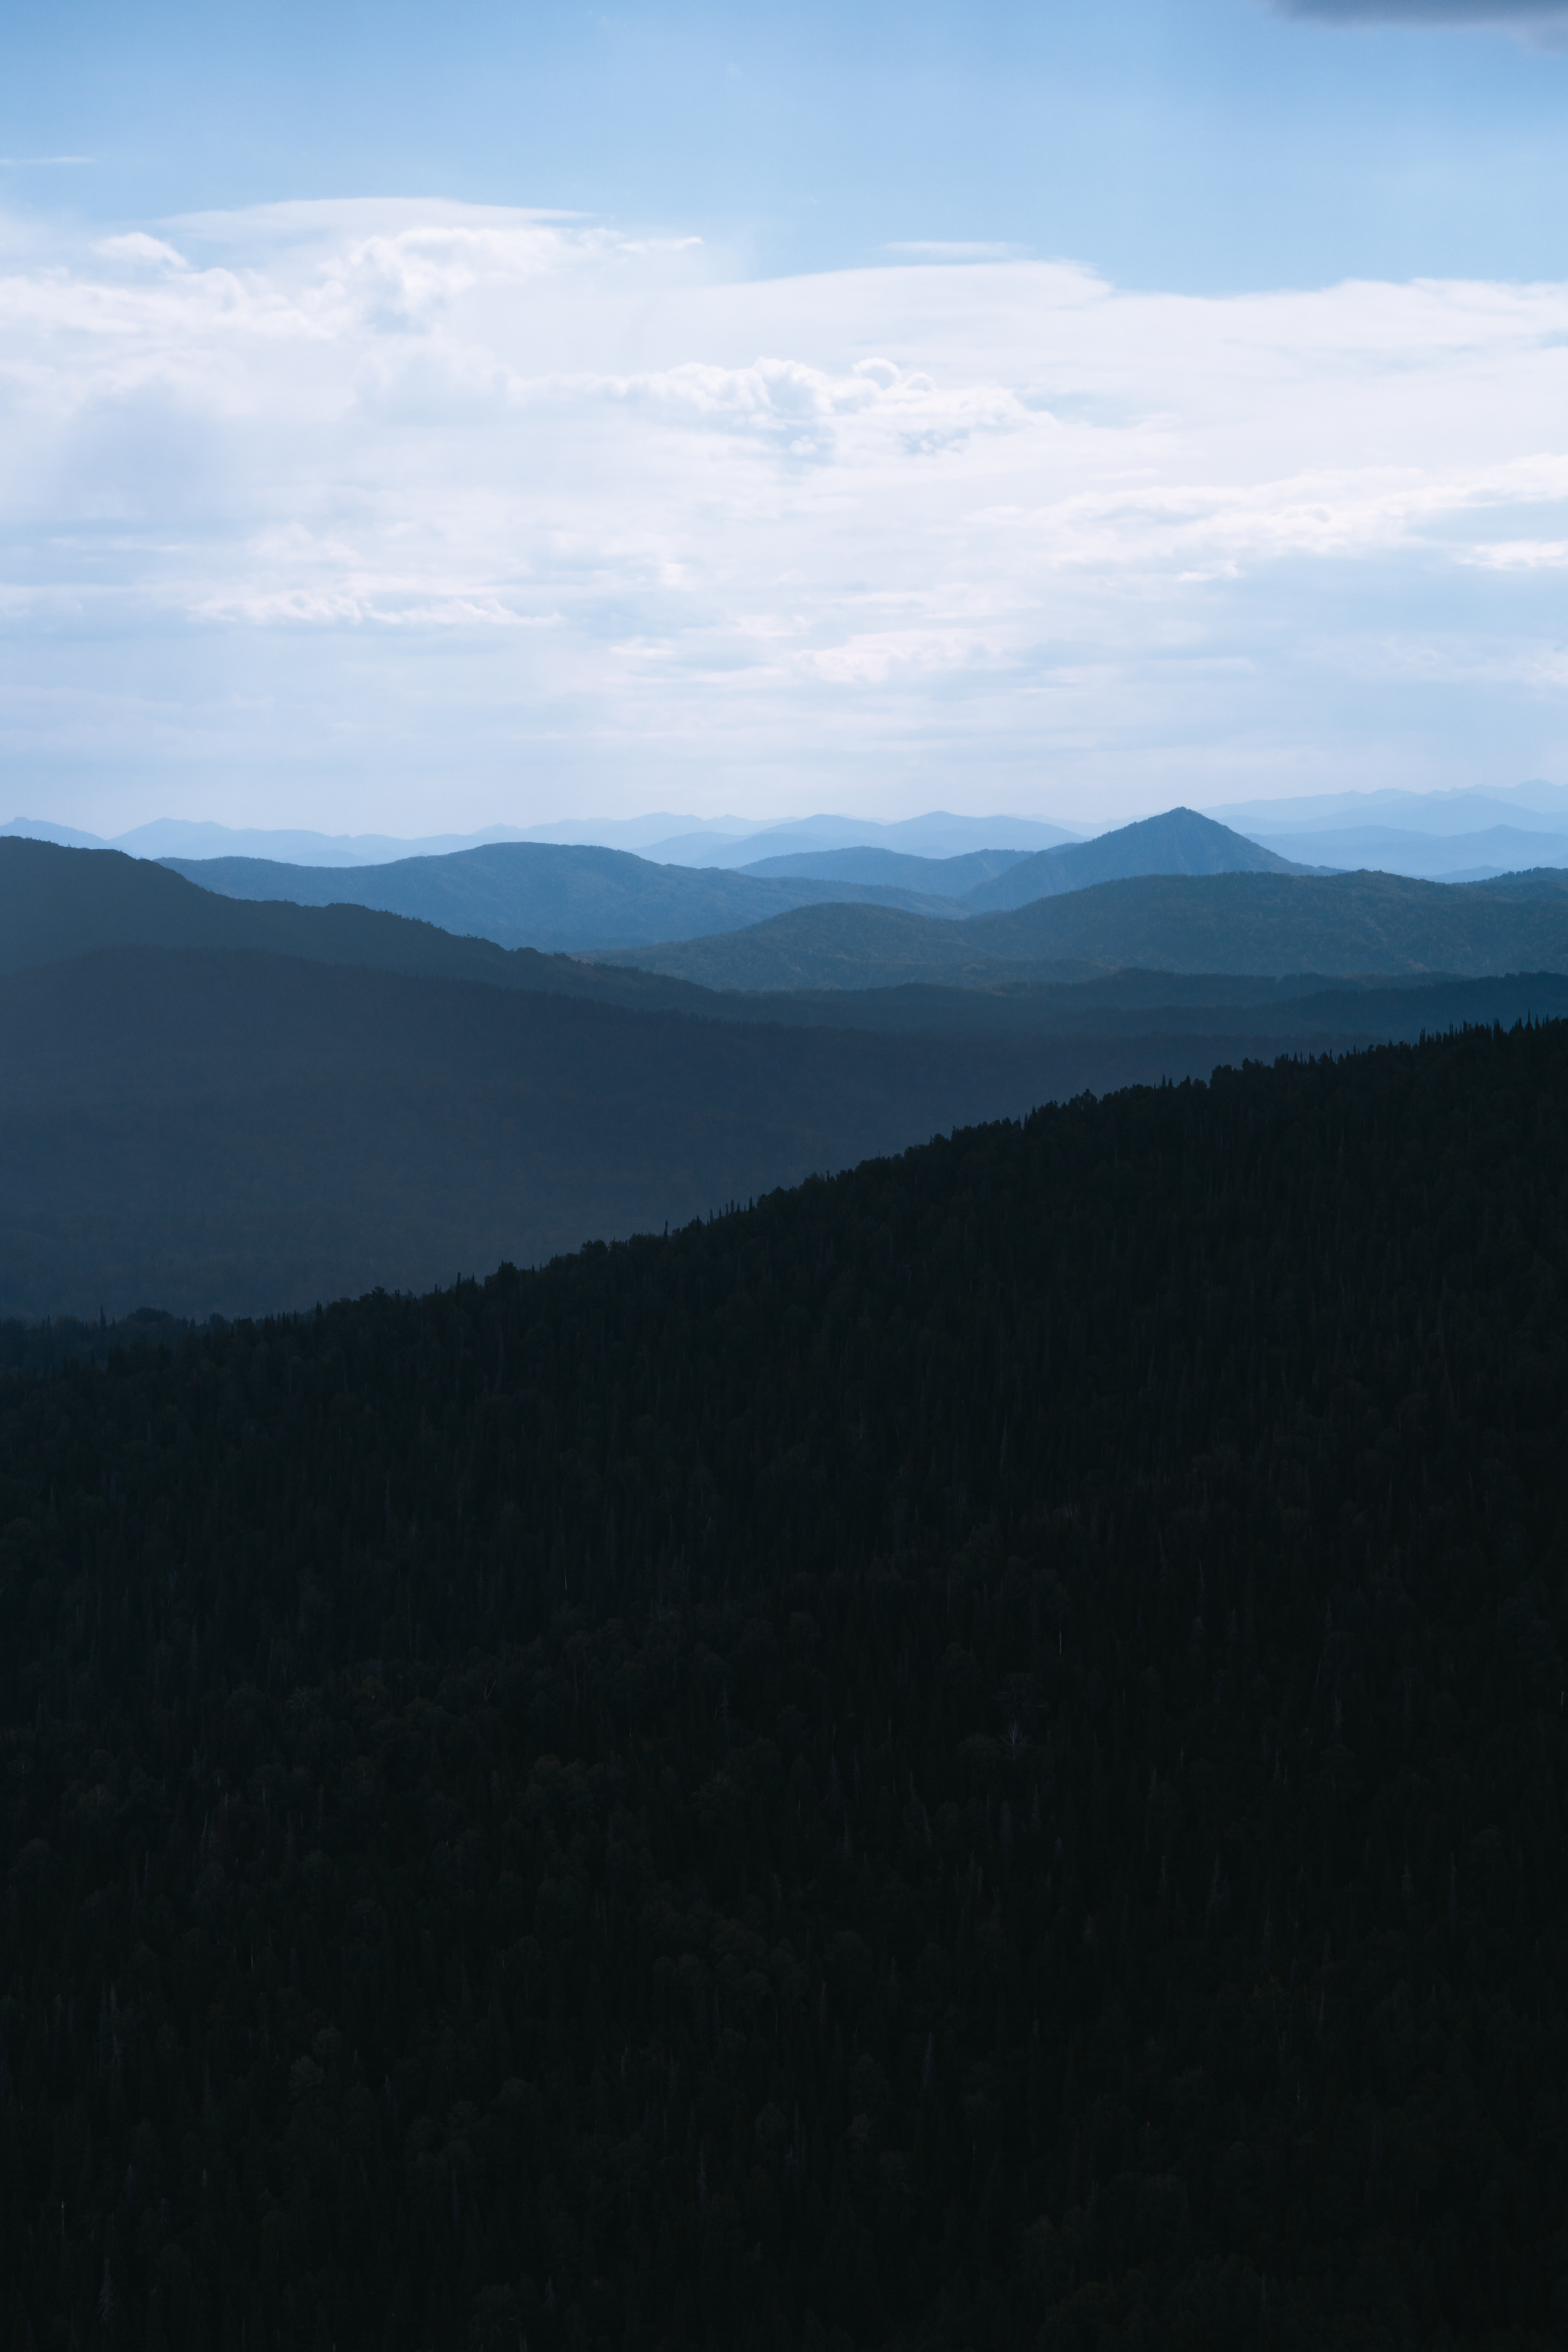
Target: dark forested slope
[[971, 1758], [233, 1132], [58, 904]]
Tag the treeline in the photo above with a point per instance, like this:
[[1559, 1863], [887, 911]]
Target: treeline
[[971, 1757]]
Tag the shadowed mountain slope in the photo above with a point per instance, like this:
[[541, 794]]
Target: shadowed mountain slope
[[56, 903], [207, 1130], [546, 895], [201, 1130], [1179, 842], [1335, 925], [963, 1762]]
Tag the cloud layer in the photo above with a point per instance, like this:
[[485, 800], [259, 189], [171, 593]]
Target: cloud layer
[[414, 512]]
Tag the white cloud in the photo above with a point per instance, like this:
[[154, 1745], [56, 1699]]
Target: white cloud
[[377, 500]]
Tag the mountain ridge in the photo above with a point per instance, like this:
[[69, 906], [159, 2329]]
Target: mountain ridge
[[1264, 923]]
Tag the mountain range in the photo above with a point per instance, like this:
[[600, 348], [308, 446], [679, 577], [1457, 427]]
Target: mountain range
[[571, 898], [546, 895], [1268, 923], [223, 1103]]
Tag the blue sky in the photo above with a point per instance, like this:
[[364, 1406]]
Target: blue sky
[[1197, 144], [1060, 409]]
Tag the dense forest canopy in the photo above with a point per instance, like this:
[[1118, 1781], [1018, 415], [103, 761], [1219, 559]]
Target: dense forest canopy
[[971, 1755]]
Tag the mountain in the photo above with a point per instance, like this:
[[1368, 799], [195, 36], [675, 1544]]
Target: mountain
[[937, 835], [1335, 925], [1466, 810], [945, 877], [1179, 842], [175, 837], [56, 903], [37, 828], [201, 1130], [963, 1758], [1435, 857], [557, 897]]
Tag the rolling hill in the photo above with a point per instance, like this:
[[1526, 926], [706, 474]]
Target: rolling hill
[[552, 896], [197, 1129], [945, 877], [212, 1103], [1335, 925], [56, 903]]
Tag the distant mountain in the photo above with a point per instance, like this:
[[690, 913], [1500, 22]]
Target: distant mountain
[[1431, 857], [555, 897], [58, 903], [1264, 923], [938, 834], [193, 1124], [173, 837], [201, 1130], [670, 839], [40, 828], [1179, 842], [944, 877], [1462, 810]]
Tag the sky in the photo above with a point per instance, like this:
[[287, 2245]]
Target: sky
[[413, 420]]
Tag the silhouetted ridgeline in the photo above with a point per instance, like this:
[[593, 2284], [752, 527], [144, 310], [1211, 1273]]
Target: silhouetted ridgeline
[[70, 1338], [545, 895], [973, 1756], [229, 1132], [1337, 925]]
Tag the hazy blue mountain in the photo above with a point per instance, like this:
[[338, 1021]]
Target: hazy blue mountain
[[938, 834], [1432, 857], [1179, 842], [41, 828], [58, 903], [943, 878], [1461, 810], [557, 897], [174, 837], [1264, 923], [372, 1100]]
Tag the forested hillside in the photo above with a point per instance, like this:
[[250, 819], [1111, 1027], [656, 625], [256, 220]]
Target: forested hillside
[[209, 1132], [1338, 925], [971, 1757]]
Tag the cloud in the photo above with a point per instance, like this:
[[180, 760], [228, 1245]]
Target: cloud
[[940, 249], [1542, 22], [350, 503]]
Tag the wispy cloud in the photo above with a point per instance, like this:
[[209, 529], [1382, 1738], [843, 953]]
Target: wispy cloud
[[372, 500], [951, 249], [1543, 22]]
